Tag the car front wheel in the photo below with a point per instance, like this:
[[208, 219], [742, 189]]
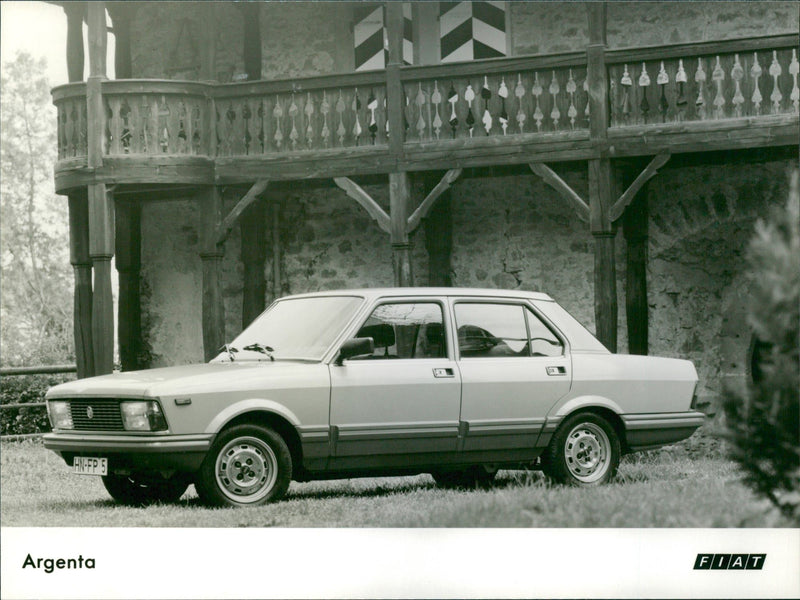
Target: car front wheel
[[248, 465], [585, 451], [138, 491]]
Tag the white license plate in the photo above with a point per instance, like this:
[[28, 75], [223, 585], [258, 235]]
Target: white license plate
[[90, 465]]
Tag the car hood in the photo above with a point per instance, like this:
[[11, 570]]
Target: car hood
[[187, 379]]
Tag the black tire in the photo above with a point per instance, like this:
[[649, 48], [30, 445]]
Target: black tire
[[141, 490], [476, 476], [248, 465], [584, 451]]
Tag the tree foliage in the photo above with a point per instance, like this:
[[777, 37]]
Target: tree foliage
[[35, 296], [764, 428]]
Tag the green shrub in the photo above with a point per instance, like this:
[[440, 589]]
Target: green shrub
[[26, 389], [764, 427]]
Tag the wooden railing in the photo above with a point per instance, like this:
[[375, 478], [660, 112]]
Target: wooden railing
[[522, 96]]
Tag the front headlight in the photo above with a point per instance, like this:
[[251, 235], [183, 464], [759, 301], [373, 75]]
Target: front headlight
[[142, 416], [59, 414]]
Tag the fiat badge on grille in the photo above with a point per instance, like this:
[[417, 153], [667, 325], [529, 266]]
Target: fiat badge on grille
[[89, 412]]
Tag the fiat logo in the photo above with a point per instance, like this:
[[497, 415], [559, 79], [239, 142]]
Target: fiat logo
[[89, 412]]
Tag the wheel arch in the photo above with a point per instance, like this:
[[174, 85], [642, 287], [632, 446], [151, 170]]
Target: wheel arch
[[608, 413]]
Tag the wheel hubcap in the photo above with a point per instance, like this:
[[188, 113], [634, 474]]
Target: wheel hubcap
[[246, 469], [587, 452]]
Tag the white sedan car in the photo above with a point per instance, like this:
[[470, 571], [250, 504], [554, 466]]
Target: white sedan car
[[453, 382]]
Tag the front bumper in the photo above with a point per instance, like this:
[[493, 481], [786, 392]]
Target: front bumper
[[133, 452]]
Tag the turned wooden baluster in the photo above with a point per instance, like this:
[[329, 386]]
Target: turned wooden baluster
[[775, 71], [115, 125], [163, 125], [262, 125], [176, 143], [737, 74], [503, 93], [184, 128], [436, 99], [419, 100], [627, 83], [452, 98], [277, 114], [71, 131], [486, 95], [554, 89], [794, 70], [340, 107], [572, 87], [372, 106], [356, 106], [644, 83], [755, 72], [293, 112], [469, 96], [662, 79], [718, 77], [681, 79], [519, 92], [325, 109], [537, 91], [309, 112], [700, 79], [587, 110]]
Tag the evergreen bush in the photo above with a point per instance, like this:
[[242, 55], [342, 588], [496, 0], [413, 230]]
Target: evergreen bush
[[26, 389], [763, 427]]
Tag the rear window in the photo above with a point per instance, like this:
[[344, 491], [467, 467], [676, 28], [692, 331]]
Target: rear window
[[579, 337]]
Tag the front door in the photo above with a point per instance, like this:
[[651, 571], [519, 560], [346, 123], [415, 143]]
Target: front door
[[399, 406], [513, 368]]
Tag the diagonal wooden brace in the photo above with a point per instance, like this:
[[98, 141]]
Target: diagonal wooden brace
[[228, 223], [357, 193], [559, 185], [425, 207], [650, 171]]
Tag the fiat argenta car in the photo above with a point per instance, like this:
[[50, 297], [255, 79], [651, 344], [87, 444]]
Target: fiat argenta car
[[453, 382]]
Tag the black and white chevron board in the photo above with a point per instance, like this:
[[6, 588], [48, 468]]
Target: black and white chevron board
[[369, 33], [472, 30]]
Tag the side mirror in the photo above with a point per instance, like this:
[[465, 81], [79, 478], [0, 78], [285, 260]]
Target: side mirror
[[354, 347]]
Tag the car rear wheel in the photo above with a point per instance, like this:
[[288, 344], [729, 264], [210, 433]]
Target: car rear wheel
[[248, 465], [141, 490], [585, 451]]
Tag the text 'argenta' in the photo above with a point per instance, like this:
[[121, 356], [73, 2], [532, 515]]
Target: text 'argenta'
[[51, 564], [743, 562]]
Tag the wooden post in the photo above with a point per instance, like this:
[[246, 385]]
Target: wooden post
[[275, 218], [601, 191], [635, 230], [251, 13], [395, 97], [101, 200], [439, 241], [82, 265], [211, 254], [401, 247], [254, 252], [122, 15], [101, 251], [75, 12], [208, 41], [128, 262]]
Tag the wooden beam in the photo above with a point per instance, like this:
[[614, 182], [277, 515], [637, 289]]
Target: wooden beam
[[399, 194], [211, 254], [424, 208], [650, 171], [253, 254], [101, 251], [395, 97], [275, 215], [365, 200], [82, 265], [128, 262], [605, 270], [596, 73], [554, 181], [98, 35], [208, 41], [439, 241], [635, 230], [225, 228], [75, 11], [251, 15]]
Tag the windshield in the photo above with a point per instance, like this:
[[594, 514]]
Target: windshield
[[300, 328]]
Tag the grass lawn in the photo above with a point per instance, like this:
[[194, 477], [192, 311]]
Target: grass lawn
[[690, 485]]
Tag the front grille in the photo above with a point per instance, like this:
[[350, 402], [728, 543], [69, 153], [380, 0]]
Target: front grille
[[105, 414]]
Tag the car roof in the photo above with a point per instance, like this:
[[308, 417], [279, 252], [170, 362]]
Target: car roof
[[373, 293]]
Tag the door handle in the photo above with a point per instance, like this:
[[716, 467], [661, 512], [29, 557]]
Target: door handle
[[555, 371], [443, 372]]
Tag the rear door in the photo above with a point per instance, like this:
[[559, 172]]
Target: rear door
[[513, 369]]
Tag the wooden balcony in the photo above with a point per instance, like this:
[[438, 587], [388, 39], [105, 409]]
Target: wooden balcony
[[685, 98]]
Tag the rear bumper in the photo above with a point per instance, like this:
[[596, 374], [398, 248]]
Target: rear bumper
[[652, 430], [132, 452]]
